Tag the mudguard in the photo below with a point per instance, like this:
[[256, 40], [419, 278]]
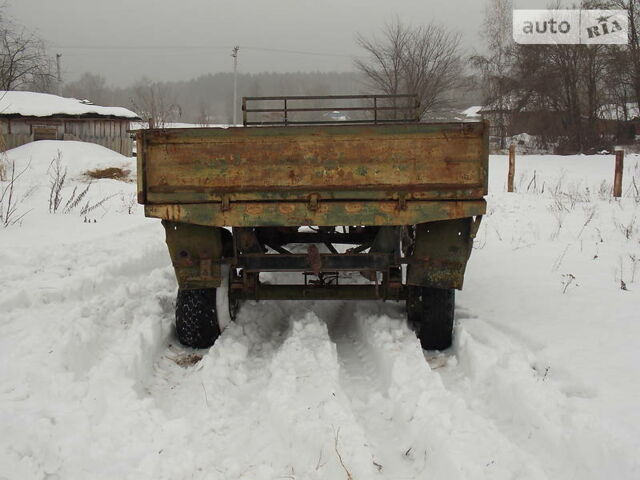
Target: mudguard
[[441, 252], [195, 252]]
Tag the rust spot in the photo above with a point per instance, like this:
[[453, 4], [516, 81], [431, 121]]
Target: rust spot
[[254, 209], [286, 208], [388, 207], [353, 207]]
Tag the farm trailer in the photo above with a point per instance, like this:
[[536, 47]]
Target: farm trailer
[[371, 209]]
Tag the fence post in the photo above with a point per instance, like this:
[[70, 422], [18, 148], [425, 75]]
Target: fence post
[[512, 167], [244, 111], [617, 179]]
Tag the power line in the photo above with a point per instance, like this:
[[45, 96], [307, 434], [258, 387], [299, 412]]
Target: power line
[[299, 52], [142, 47], [199, 47]]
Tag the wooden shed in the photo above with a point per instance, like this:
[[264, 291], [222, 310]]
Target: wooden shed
[[28, 117]]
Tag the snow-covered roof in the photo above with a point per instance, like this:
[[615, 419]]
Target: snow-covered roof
[[31, 104], [617, 112], [472, 111]]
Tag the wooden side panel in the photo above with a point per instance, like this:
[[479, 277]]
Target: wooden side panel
[[421, 160]]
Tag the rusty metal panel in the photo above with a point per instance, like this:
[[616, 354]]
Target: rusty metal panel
[[422, 161], [325, 292], [171, 194], [195, 254], [440, 253], [265, 214]]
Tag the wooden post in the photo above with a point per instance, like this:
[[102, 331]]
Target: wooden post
[[244, 111], [152, 123], [512, 167], [617, 179]]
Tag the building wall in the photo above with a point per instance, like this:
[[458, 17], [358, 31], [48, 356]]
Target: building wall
[[110, 133]]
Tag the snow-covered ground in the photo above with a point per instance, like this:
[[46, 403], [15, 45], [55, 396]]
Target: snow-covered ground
[[542, 381]]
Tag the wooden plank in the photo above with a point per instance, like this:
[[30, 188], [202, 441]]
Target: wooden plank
[[617, 179], [512, 168]]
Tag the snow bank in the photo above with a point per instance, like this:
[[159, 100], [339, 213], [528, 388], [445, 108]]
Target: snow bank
[[78, 157], [105, 199]]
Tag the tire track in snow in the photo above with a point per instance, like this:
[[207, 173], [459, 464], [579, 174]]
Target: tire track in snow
[[359, 370], [360, 376], [265, 401], [413, 425]]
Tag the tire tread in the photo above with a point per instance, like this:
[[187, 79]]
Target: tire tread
[[196, 318]]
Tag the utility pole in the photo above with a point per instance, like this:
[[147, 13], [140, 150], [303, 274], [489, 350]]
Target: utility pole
[[59, 72], [235, 84]]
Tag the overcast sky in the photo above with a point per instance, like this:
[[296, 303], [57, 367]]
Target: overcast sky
[[180, 39]]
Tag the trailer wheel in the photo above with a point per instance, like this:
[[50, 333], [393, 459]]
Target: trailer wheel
[[196, 317], [430, 312]]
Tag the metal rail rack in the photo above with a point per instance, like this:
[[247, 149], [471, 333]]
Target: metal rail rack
[[384, 109]]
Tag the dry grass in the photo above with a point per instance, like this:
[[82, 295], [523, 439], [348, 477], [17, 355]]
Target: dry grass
[[186, 360], [3, 160], [113, 173]]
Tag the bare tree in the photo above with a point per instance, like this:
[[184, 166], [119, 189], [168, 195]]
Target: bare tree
[[559, 90], [155, 101], [23, 59], [90, 87], [424, 60], [204, 114], [495, 66], [630, 55]]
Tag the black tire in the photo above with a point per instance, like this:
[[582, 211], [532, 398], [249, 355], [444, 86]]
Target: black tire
[[430, 312], [196, 318]]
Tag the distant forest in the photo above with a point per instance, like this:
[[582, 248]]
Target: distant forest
[[427, 61], [208, 99]]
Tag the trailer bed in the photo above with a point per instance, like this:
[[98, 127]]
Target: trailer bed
[[314, 175]]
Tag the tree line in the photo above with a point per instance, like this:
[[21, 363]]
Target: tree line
[[566, 87], [573, 90]]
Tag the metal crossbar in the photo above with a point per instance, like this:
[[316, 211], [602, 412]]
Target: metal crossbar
[[383, 109]]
